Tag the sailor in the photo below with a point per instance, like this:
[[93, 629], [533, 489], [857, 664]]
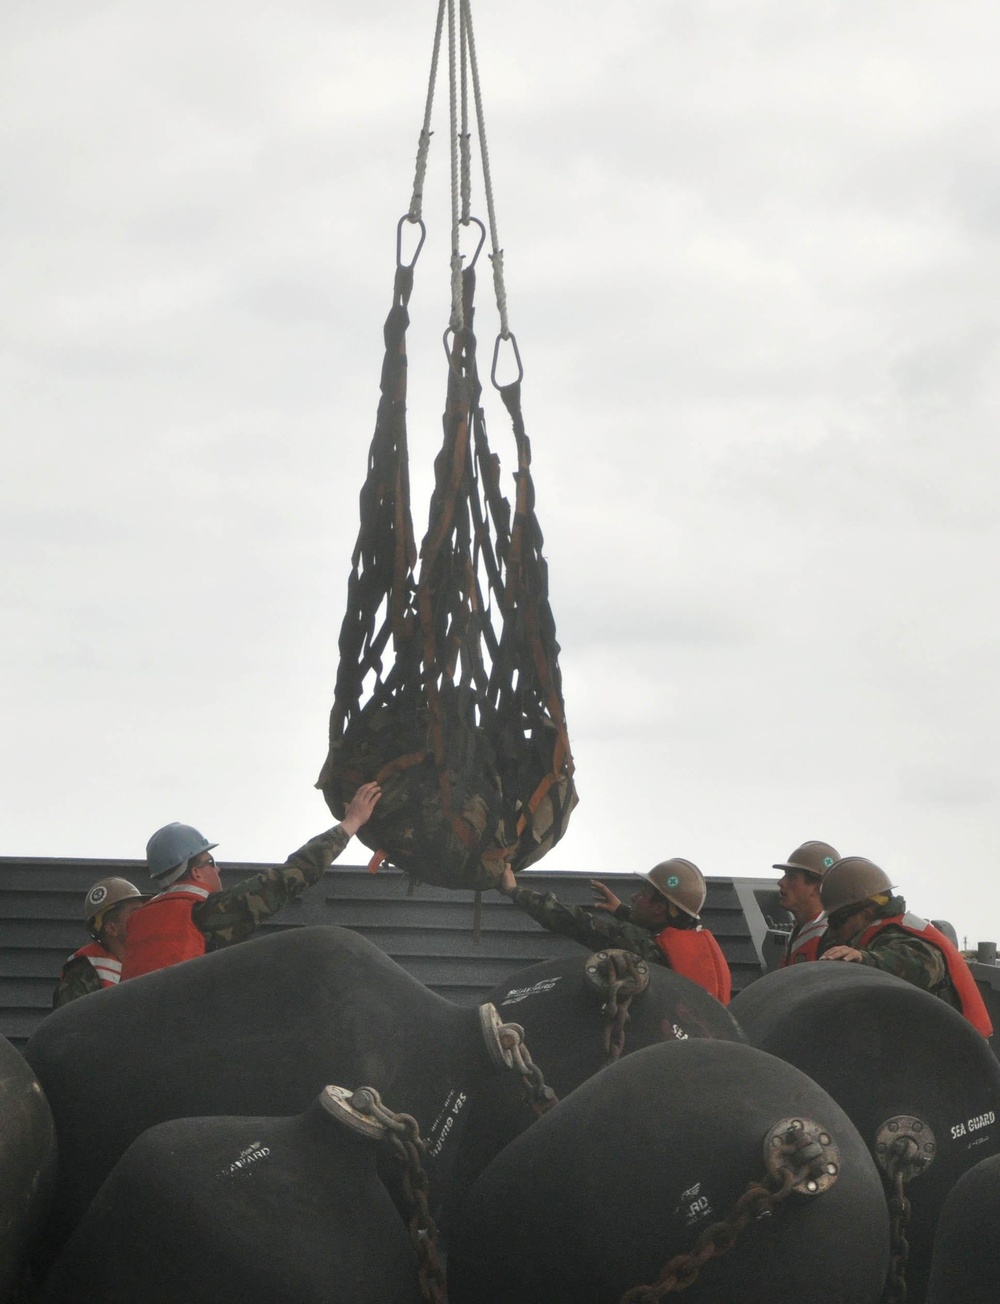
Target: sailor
[[661, 924], [193, 913], [798, 892], [867, 924], [106, 909]]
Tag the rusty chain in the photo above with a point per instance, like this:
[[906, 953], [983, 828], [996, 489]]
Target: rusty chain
[[518, 1057], [618, 975], [905, 1147], [402, 1134], [799, 1157], [899, 1248]]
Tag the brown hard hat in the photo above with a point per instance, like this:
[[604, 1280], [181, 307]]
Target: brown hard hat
[[105, 894], [852, 881], [812, 858], [681, 882]]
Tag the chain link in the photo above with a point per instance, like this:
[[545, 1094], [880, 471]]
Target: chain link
[[403, 1138], [899, 1246], [619, 975], [905, 1147], [796, 1163], [540, 1097]]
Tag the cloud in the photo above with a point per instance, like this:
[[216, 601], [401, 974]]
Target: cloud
[[750, 264]]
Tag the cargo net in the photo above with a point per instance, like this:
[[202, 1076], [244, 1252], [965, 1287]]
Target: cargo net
[[448, 689], [465, 729]]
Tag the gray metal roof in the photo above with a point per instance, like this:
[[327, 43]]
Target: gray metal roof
[[429, 933]]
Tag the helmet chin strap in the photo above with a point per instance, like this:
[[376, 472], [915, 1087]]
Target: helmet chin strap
[[173, 875]]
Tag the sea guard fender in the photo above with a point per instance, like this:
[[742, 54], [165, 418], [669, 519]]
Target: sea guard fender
[[241, 1211], [965, 1268], [630, 1168], [886, 1050], [27, 1162], [559, 1005], [255, 1029]]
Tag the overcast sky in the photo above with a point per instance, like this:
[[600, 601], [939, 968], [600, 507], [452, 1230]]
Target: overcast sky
[[751, 263]]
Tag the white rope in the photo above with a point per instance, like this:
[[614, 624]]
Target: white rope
[[423, 145], [461, 54], [465, 141], [457, 317], [496, 256]]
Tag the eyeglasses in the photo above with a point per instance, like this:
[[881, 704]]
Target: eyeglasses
[[203, 862]]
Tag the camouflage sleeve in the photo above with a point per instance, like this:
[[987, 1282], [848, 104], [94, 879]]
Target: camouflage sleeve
[[234, 913], [79, 978], [596, 930], [908, 957]]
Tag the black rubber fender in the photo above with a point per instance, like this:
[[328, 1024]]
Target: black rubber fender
[[258, 1029], [241, 1211], [629, 1168]]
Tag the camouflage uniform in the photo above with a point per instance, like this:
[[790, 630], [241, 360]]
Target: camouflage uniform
[[597, 930], [906, 956], [79, 978], [234, 913]]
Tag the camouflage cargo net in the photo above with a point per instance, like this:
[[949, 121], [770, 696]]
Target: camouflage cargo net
[[448, 689]]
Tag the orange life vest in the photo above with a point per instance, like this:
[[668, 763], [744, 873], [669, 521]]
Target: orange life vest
[[696, 954], [162, 932], [969, 996], [804, 944], [107, 968]]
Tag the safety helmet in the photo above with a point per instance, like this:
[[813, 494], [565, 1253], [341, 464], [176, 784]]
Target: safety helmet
[[105, 894], [680, 882], [852, 881], [170, 848], [813, 858]]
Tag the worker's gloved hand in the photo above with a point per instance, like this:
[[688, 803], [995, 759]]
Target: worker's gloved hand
[[604, 898], [360, 808]]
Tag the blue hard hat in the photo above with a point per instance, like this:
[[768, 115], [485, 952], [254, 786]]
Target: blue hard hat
[[170, 848]]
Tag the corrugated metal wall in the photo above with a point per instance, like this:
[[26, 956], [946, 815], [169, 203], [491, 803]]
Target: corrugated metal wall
[[429, 933]]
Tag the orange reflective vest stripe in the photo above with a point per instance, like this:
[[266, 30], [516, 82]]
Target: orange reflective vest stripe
[[804, 944], [162, 932], [969, 996], [107, 968], [696, 954]]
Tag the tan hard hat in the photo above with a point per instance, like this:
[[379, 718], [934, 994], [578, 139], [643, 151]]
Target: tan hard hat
[[813, 858], [852, 881], [105, 894], [680, 882]]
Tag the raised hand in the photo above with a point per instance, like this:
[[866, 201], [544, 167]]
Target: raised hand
[[604, 898], [360, 808]]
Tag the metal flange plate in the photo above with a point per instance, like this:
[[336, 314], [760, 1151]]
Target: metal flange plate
[[492, 1027], [339, 1104], [808, 1149], [905, 1144]]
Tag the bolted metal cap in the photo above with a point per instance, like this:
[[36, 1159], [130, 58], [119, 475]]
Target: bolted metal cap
[[852, 881], [813, 858]]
